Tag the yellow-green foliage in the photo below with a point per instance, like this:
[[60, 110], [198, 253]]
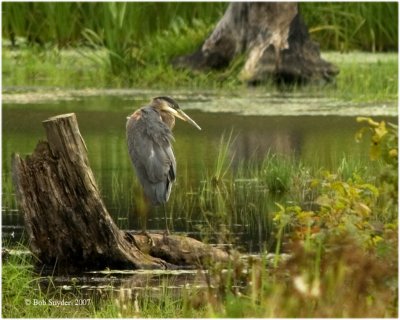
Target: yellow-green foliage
[[384, 140], [343, 254], [344, 208], [346, 245], [384, 148], [351, 207]]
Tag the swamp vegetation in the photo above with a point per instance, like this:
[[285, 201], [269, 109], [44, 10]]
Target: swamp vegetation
[[129, 47], [308, 197], [340, 229]]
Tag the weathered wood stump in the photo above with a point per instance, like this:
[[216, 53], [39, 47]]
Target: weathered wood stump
[[275, 40], [66, 221]]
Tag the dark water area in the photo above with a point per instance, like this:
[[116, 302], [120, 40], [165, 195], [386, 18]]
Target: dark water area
[[316, 141]]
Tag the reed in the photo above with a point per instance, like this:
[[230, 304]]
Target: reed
[[358, 25], [136, 35], [337, 26], [343, 249], [335, 278], [22, 291]]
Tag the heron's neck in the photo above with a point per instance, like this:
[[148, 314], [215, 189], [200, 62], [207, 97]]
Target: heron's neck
[[168, 119]]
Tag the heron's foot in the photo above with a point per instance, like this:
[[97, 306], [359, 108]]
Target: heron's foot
[[165, 235], [150, 240]]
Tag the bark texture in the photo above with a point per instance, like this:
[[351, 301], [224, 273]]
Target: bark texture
[[65, 218], [274, 38]]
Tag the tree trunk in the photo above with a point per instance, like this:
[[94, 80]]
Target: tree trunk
[[275, 40], [65, 219]]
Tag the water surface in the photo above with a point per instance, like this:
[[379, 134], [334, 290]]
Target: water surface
[[316, 131]]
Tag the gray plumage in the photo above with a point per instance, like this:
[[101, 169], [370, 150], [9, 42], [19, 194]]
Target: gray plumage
[[149, 145], [149, 138]]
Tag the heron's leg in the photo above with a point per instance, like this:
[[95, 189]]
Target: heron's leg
[[144, 224], [143, 209], [144, 212], [166, 220], [149, 238]]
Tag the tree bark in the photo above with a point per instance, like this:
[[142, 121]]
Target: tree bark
[[65, 219], [275, 40]]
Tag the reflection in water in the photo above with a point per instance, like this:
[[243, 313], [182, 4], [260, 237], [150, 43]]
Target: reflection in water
[[316, 141], [255, 144], [149, 282]]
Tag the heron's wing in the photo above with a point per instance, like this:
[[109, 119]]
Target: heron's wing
[[149, 145]]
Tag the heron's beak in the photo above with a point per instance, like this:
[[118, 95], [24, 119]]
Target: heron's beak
[[183, 116]]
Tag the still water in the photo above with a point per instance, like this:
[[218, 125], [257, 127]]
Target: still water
[[318, 141]]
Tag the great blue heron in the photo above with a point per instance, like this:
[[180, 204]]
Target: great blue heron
[[149, 137]]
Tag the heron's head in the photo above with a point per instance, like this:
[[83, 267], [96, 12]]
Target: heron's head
[[170, 106]]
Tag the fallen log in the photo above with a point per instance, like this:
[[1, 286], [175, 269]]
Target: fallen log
[[66, 221]]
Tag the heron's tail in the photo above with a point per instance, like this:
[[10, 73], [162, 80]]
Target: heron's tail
[[159, 193]]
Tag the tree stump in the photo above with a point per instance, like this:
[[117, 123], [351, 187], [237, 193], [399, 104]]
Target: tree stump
[[275, 39], [66, 221]]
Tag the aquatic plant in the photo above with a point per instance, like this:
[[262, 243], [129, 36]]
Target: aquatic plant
[[133, 36], [342, 253], [384, 148], [349, 26], [23, 295], [335, 249], [337, 26]]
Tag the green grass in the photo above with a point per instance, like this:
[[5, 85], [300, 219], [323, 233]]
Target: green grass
[[21, 285], [89, 68], [348, 26], [337, 26], [52, 68], [339, 279], [363, 77], [133, 44], [64, 24]]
